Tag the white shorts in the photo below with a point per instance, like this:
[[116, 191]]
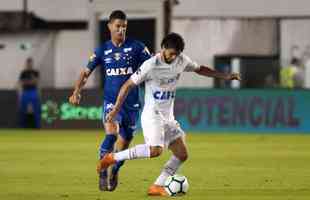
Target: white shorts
[[157, 132]]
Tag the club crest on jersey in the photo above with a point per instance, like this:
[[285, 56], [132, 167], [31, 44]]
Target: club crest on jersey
[[117, 56], [163, 95], [119, 71]]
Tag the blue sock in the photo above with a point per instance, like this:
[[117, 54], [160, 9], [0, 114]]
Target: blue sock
[[107, 144], [117, 166], [104, 173]]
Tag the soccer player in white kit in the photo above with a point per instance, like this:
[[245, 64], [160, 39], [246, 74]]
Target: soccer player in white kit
[[161, 74]]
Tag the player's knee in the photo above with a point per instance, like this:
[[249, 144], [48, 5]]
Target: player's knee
[[111, 128], [155, 151], [122, 145], [183, 156]]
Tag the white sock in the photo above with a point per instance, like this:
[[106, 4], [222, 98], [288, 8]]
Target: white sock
[[170, 168], [136, 152]]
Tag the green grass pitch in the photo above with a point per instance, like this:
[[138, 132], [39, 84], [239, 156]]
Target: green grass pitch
[[60, 165]]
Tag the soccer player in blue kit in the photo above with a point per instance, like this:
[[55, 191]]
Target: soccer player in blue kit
[[118, 58]]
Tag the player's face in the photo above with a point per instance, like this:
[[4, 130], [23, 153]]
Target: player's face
[[169, 55], [118, 28]]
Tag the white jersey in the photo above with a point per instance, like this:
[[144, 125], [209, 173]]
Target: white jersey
[[161, 81]]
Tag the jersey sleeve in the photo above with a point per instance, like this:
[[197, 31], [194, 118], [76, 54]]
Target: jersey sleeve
[[142, 74], [144, 53], [94, 60], [190, 65]]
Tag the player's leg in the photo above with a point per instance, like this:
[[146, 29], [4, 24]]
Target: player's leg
[[121, 144], [175, 139], [111, 129], [26, 109], [106, 147], [126, 131], [153, 132], [137, 152], [179, 155], [23, 101], [107, 144], [179, 151], [36, 109]]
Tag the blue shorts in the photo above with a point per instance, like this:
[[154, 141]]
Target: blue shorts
[[127, 120]]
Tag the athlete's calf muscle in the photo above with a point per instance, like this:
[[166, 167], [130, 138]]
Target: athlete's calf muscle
[[156, 151], [111, 127]]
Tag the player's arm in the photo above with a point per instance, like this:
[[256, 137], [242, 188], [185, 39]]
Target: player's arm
[[123, 93], [206, 71], [192, 66], [93, 62], [76, 94]]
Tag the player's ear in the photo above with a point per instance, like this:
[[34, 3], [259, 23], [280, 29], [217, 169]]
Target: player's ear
[[109, 26]]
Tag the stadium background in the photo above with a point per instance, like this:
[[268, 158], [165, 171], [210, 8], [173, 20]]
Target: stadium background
[[256, 38]]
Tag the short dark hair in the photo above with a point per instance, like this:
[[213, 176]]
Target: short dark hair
[[117, 14], [173, 41]]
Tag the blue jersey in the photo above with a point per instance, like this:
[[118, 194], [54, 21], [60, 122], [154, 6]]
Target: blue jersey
[[117, 65]]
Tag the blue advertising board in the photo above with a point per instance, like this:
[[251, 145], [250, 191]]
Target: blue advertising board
[[243, 110]]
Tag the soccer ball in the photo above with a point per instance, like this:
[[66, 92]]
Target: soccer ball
[[176, 185]]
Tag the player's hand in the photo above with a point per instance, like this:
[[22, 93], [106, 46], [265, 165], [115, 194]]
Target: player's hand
[[234, 76], [111, 115], [75, 98]]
